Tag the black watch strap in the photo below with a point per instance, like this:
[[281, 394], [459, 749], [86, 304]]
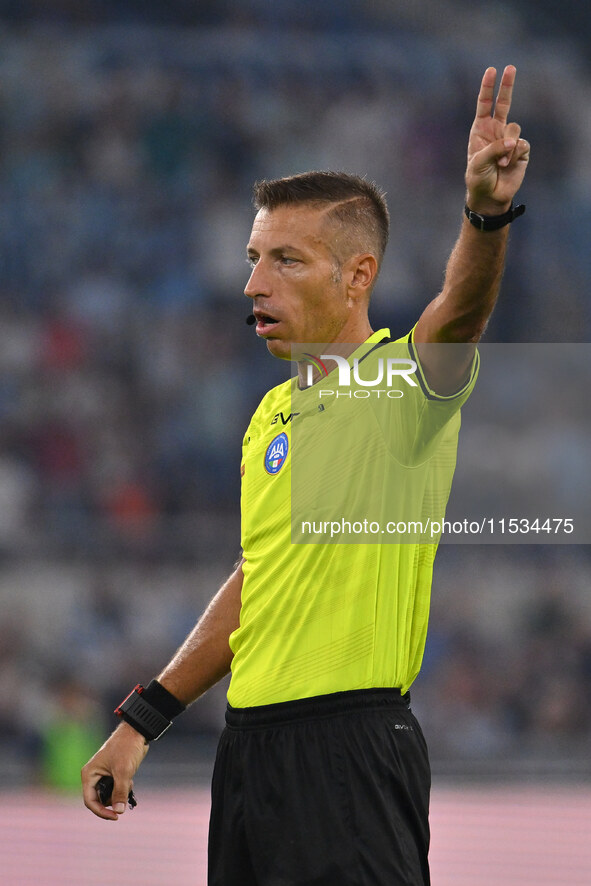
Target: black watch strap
[[150, 711], [493, 222]]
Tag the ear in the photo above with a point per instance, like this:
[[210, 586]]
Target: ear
[[361, 272]]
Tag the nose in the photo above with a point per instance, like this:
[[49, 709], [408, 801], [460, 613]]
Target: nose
[[258, 282]]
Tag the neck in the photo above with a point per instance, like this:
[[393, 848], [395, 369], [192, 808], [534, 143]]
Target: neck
[[343, 345]]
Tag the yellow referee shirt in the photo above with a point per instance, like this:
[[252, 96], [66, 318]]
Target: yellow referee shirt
[[326, 608]]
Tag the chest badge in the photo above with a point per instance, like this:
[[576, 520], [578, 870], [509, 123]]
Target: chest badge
[[276, 453]]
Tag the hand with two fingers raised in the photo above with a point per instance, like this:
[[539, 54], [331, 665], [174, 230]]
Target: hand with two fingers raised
[[497, 155]]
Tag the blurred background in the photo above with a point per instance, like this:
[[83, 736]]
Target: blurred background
[[130, 137]]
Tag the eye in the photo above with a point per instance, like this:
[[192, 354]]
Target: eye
[[251, 261], [286, 260]]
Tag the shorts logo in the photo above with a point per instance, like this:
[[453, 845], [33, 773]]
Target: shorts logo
[[276, 453]]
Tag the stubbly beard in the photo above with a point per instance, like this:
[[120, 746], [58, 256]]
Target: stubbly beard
[[336, 272], [279, 349]]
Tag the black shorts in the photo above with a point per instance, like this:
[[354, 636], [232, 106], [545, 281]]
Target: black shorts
[[324, 791]]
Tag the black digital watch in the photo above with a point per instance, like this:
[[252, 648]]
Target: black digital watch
[[150, 710], [493, 222]]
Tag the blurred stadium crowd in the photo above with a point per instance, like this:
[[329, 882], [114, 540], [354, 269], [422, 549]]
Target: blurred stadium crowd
[[130, 139]]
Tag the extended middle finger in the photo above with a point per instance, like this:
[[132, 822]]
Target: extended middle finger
[[503, 102]]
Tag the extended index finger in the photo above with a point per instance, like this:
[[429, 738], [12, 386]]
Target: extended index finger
[[486, 96], [487, 93]]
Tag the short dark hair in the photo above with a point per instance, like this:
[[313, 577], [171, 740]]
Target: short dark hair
[[358, 205]]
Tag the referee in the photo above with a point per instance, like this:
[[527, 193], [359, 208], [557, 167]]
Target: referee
[[322, 774]]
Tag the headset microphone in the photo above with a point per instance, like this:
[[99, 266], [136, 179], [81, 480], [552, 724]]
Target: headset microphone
[[250, 320]]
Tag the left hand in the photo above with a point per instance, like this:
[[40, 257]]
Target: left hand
[[497, 156]]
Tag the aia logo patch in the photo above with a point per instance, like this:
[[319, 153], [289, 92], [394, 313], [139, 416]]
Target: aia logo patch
[[276, 454]]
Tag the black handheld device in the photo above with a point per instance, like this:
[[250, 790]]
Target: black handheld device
[[104, 789]]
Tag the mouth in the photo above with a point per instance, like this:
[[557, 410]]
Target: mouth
[[265, 323]]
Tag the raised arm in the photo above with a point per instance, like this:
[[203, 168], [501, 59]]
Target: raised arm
[[203, 659], [497, 161]]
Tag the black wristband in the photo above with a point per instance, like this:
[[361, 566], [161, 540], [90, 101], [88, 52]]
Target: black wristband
[[161, 699], [493, 222], [150, 711]]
